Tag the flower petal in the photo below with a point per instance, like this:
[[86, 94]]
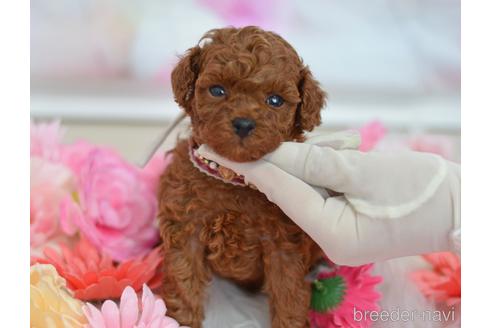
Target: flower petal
[[148, 301], [128, 308], [111, 314], [93, 315]]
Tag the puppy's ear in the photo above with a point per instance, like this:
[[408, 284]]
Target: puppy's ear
[[183, 77], [313, 98]]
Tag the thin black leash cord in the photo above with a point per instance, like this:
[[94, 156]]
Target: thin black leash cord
[[162, 138]]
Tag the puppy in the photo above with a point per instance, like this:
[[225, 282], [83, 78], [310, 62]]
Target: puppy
[[246, 91]]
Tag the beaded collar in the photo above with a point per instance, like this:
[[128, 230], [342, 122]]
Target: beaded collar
[[214, 169]]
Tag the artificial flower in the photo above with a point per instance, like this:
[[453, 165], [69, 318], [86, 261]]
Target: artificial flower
[[46, 140], [354, 290], [94, 276], [52, 305], [153, 170], [442, 283], [432, 144], [50, 183], [116, 207], [74, 155], [147, 312], [371, 134]]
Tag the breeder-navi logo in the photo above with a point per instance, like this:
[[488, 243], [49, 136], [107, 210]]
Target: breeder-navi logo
[[404, 315]]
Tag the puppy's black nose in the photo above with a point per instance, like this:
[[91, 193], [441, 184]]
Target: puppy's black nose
[[243, 126]]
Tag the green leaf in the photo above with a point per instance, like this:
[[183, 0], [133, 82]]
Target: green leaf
[[327, 293]]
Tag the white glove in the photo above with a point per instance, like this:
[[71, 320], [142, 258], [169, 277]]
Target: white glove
[[388, 204]]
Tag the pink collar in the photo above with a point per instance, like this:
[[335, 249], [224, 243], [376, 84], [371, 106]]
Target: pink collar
[[215, 170]]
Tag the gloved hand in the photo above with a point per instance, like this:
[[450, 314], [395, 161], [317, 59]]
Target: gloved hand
[[385, 205]]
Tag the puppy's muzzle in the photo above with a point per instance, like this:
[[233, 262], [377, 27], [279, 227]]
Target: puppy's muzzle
[[243, 127]]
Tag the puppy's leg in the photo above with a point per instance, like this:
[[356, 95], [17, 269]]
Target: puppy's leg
[[186, 275], [289, 293]]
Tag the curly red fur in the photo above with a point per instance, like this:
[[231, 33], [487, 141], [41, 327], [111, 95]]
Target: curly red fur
[[208, 226]]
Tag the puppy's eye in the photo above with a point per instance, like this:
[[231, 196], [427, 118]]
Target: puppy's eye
[[217, 91], [275, 101]]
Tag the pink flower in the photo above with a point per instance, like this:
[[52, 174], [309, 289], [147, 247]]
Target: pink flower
[[442, 283], [74, 156], [117, 204], [50, 183], [359, 295], [155, 167], [432, 144], [371, 134], [45, 140], [149, 312]]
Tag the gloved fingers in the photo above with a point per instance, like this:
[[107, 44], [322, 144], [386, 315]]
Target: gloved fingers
[[339, 236], [319, 166], [348, 139], [350, 238]]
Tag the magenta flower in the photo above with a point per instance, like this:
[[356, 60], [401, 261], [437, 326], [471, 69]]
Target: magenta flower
[[353, 289], [149, 312], [116, 205]]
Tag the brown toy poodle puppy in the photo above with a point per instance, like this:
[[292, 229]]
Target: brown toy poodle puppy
[[246, 91]]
